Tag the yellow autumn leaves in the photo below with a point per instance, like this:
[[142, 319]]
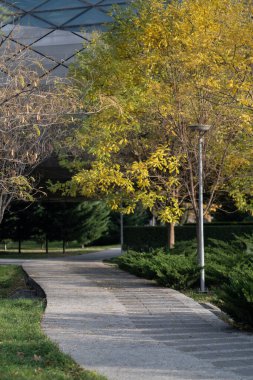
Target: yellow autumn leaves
[[141, 181], [161, 67]]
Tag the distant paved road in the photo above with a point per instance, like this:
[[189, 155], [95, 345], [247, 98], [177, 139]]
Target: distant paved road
[[129, 329]]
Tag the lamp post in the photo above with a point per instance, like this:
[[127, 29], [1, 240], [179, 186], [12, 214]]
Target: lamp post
[[121, 232], [201, 129]]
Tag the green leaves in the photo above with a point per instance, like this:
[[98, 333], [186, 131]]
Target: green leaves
[[161, 67]]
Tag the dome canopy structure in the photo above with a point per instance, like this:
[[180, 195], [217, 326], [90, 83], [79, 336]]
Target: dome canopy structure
[[55, 30]]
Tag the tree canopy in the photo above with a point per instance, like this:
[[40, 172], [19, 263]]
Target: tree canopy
[[32, 113], [161, 67], [84, 222]]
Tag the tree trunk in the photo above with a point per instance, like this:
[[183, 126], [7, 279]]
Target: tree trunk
[[172, 236], [63, 246], [5, 247], [46, 245], [153, 221], [2, 208], [19, 245]]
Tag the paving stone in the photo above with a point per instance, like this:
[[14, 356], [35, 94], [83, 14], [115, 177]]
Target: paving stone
[[230, 354], [233, 363], [128, 328], [248, 371], [220, 347]]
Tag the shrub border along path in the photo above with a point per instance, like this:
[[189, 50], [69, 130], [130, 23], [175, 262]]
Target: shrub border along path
[[129, 329]]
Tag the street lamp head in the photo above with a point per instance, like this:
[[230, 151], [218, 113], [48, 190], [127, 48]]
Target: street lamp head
[[200, 127]]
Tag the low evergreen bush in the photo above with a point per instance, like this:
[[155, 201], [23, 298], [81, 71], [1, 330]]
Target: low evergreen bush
[[229, 271], [236, 296], [186, 248], [175, 271], [221, 257]]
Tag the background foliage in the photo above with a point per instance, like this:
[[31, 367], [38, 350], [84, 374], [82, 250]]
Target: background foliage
[[161, 67]]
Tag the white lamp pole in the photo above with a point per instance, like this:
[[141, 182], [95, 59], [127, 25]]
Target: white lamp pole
[[201, 129], [121, 232]]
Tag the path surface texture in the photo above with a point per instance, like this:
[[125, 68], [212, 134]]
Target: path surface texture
[[128, 328]]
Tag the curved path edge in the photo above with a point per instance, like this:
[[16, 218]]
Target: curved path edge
[[127, 328]]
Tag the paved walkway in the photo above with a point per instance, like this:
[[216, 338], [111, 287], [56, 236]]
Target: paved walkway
[[128, 329]]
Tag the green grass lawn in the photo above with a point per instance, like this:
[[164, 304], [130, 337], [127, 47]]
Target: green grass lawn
[[25, 352], [31, 253]]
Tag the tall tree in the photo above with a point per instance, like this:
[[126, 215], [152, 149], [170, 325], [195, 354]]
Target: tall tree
[[161, 67], [67, 221], [84, 222], [19, 222], [32, 113]]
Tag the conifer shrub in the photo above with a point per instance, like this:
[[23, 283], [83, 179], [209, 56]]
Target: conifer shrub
[[221, 257], [187, 248], [229, 271], [138, 263], [175, 271], [236, 295]]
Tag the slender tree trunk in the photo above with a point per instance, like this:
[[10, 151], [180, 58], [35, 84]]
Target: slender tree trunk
[[153, 221], [2, 208], [63, 246], [5, 200], [172, 236], [19, 245], [5, 247], [46, 245]]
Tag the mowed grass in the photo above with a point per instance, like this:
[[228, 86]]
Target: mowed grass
[[32, 254], [11, 279], [25, 352]]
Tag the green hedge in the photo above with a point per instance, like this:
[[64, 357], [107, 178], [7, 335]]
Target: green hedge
[[236, 295], [229, 271], [146, 238], [175, 271]]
